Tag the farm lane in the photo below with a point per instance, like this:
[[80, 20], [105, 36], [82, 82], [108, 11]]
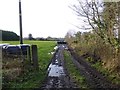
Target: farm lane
[[57, 76]]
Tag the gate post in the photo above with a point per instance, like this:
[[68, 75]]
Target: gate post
[[35, 57], [28, 54]]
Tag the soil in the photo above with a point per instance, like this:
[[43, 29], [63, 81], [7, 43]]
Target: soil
[[58, 77]]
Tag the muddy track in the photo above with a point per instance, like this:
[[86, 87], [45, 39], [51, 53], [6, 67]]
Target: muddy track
[[94, 78], [57, 77]]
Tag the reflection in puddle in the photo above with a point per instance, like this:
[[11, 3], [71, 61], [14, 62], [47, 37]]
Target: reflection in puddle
[[56, 61], [55, 70]]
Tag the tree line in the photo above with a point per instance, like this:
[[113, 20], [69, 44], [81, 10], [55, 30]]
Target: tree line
[[9, 36], [49, 38]]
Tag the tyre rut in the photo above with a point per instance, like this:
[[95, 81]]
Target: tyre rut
[[94, 78]]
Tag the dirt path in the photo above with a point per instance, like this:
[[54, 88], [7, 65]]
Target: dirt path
[[57, 76]]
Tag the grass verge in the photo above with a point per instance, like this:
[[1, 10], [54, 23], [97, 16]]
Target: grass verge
[[74, 72]]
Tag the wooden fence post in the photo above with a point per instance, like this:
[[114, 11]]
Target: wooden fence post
[[35, 57], [28, 54], [1, 57]]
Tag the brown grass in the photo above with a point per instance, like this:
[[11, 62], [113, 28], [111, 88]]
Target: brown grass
[[12, 67]]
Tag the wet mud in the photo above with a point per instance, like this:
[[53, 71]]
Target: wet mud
[[57, 77]]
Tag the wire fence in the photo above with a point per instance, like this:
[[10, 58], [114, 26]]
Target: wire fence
[[21, 53], [28, 54]]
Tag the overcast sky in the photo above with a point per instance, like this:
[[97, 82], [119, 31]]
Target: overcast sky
[[41, 18]]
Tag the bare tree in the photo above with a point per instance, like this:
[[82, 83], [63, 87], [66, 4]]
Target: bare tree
[[101, 16], [91, 11]]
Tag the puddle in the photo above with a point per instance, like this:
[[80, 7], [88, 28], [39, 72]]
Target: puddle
[[56, 61], [55, 70]]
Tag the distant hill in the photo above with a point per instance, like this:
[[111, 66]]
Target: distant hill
[[9, 36]]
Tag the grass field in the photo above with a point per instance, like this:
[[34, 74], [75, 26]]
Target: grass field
[[34, 79]]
